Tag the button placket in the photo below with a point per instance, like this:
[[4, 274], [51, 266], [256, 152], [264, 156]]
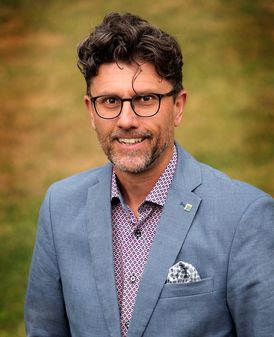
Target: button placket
[[132, 239]]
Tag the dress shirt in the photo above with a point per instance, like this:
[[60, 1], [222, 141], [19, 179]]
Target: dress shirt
[[132, 238]]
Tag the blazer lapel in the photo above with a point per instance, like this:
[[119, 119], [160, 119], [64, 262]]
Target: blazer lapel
[[100, 240], [172, 230]]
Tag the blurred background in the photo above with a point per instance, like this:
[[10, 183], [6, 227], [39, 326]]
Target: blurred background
[[44, 129]]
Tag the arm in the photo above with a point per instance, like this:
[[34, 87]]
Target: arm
[[250, 290], [45, 313]]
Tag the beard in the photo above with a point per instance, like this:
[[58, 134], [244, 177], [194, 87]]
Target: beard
[[133, 161], [136, 161]]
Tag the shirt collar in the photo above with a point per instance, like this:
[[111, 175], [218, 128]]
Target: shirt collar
[[159, 192], [115, 192]]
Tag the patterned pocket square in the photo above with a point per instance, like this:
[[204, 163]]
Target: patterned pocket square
[[182, 272]]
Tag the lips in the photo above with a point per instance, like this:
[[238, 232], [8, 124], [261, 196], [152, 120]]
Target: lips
[[130, 140]]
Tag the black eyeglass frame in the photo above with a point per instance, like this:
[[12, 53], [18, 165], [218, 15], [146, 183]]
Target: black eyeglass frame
[[131, 100]]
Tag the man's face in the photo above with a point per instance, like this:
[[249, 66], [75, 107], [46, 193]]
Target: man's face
[[135, 144]]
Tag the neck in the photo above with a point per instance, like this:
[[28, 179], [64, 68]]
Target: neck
[[136, 186]]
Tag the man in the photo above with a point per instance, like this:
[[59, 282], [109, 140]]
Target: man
[[153, 243]]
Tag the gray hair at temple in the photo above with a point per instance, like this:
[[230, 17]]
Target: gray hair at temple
[[131, 39]]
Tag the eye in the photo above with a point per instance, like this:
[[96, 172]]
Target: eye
[[109, 100], [146, 99]]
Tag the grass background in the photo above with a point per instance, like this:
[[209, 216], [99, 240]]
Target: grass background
[[44, 129]]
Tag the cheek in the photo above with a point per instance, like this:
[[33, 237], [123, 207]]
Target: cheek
[[102, 129], [169, 122]]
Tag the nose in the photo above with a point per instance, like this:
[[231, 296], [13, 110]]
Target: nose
[[127, 118]]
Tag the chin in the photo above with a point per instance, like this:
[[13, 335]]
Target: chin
[[130, 168], [132, 165]]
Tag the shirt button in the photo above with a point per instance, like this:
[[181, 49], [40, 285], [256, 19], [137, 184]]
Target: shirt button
[[137, 233], [132, 278], [127, 324]]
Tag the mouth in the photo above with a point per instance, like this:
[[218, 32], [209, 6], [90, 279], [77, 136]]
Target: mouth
[[130, 141]]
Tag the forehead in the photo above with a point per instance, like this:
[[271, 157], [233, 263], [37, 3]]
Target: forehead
[[124, 77]]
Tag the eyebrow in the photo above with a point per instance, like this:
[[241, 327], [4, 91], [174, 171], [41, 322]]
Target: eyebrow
[[141, 93]]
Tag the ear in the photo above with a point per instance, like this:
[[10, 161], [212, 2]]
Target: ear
[[90, 110], [179, 104]]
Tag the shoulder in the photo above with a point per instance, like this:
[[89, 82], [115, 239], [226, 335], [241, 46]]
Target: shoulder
[[216, 186], [237, 199], [75, 188], [217, 182]]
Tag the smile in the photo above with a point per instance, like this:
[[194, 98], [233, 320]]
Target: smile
[[130, 140]]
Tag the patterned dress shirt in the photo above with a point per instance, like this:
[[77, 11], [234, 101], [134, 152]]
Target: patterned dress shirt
[[132, 238]]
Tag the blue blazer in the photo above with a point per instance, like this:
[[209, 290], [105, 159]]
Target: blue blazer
[[228, 236]]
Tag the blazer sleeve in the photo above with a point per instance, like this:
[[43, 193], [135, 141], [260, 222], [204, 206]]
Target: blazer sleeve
[[45, 313], [250, 287]]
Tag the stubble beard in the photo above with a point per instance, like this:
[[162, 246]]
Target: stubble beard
[[135, 162]]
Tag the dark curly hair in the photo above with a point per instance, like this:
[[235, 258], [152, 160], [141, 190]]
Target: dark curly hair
[[128, 38]]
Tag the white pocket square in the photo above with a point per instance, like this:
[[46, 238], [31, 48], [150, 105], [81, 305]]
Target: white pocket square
[[182, 272]]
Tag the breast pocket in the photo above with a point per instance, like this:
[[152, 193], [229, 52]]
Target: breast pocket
[[203, 286]]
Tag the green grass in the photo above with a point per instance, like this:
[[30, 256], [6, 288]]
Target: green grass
[[45, 132]]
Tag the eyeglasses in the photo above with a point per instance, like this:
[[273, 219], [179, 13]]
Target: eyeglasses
[[146, 105]]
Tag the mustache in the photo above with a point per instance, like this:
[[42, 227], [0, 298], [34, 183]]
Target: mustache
[[129, 134]]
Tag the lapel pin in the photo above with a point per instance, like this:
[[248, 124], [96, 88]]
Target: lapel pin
[[188, 207]]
